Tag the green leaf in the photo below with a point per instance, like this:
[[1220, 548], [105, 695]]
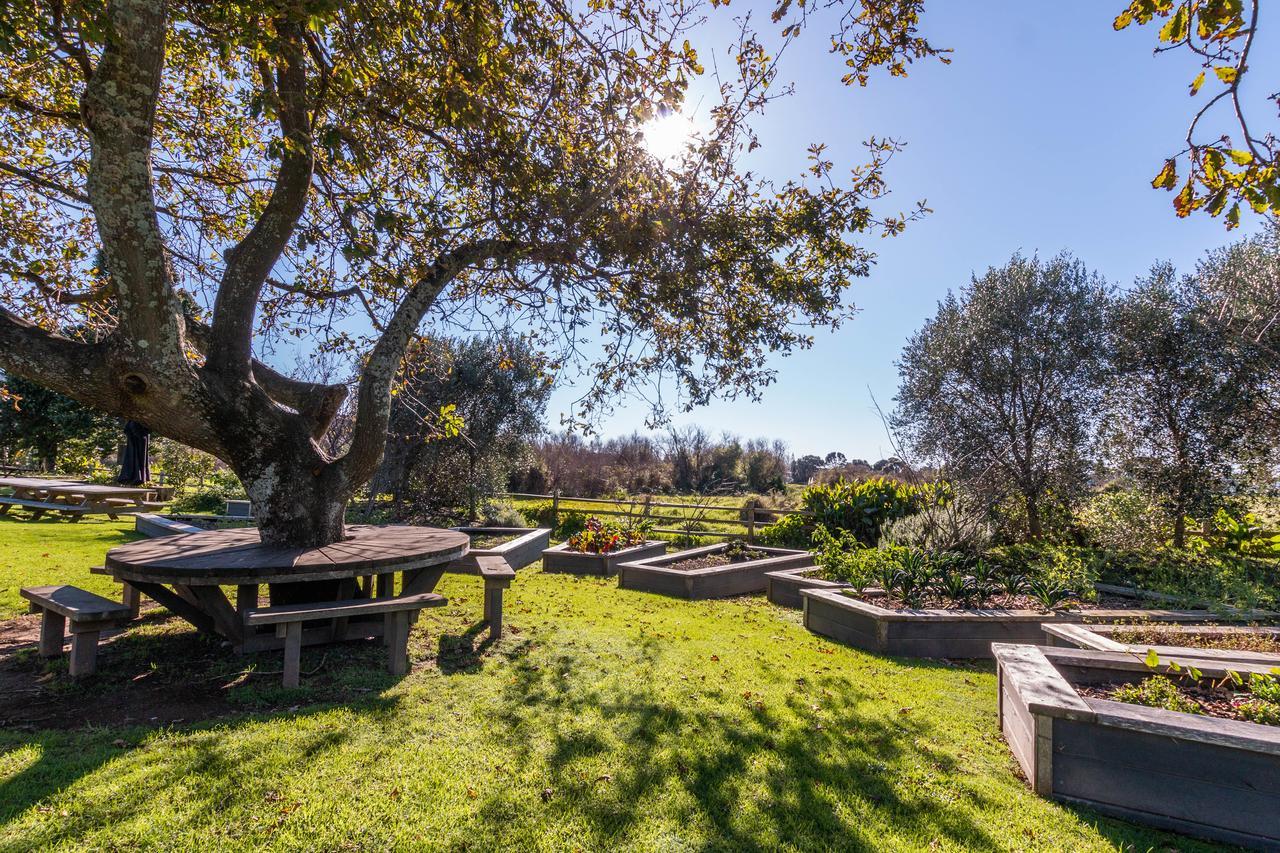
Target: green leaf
[[1226, 73], [1197, 83], [1240, 158], [1153, 659]]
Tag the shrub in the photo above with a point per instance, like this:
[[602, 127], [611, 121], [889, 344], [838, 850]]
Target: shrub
[[500, 513], [1124, 519], [538, 515], [791, 531], [957, 524], [1050, 567]]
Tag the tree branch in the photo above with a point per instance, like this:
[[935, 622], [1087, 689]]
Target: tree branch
[[119, 105], [373, 409], [316, 402], [250, 261], [69, 367]]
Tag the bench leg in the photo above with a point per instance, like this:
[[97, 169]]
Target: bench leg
[[131, 598], [493, 610], [293, 654], [397, 632], [52, 628], [84, 653]]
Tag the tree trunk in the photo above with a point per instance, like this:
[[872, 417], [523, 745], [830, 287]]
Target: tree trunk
[[1180, 530], [1035, 528]]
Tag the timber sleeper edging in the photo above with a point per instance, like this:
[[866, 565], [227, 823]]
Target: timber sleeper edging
[[962, 633], [560, 559], [524, 548], [1214, 778], [656, 574]]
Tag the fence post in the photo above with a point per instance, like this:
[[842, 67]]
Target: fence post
[[555, 508], [751, 520]]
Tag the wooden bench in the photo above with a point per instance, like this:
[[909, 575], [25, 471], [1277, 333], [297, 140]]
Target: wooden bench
[[498, 575], [288, 621], [39, 508], [88, 613]]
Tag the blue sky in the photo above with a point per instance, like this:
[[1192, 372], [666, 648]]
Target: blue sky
[[1041, 136]]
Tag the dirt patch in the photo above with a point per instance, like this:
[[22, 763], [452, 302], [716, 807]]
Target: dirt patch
[[484, 541], [160, 672], [1000, 601], [731, 556], [1242, 641]]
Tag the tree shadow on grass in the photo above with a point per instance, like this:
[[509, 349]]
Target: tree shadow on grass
[[464, 653], [749, 778]]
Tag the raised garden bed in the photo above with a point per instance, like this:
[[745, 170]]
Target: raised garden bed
[[783, 587], [1211, 642], [709, 572], [560, 559], [1205, 776], [519, 546], [965, 633]]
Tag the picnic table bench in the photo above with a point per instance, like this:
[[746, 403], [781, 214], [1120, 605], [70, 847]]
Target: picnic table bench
[[74, 499], [498, 575], [288, 620], [88, 614]]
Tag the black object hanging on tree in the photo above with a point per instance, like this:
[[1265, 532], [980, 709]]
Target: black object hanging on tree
[[135, 462]]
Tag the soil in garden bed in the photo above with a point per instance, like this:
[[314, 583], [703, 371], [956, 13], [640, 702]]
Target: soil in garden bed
[[712, 560], [1000, 601], [1236, 641], [1208, 700], [484, 541]]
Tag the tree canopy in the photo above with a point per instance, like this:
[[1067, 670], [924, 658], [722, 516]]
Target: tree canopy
[[193, 182], [1001, 383]]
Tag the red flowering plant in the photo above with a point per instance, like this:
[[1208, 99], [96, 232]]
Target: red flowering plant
[[605, 537]]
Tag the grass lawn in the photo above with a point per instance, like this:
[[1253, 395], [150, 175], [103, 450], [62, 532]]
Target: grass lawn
[[51, 551], [605, 719]]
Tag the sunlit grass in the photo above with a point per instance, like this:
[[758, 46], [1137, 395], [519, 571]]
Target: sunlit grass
[[56, 551], [605, 719]]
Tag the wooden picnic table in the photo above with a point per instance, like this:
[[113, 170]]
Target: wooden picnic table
[[95, 498], [187, 573], [30, 492]]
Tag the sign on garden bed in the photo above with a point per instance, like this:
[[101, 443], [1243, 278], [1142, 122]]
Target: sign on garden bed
[[1193, 773], [713, 571], [519, 546], [963, 633]]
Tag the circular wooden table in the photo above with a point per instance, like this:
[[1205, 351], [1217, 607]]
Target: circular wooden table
[[186, 573]]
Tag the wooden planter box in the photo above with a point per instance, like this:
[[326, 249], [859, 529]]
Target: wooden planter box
[[524, 547], [655, 574], [1101, 638], [959, 633], [783, 587], [561, 559], [1214, 778], [150, 524]]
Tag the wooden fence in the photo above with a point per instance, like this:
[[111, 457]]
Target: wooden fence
[[748, 516]]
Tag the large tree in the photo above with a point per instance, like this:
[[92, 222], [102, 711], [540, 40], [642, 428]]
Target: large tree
[[1000, 385], [1177, 395], [193, 182]]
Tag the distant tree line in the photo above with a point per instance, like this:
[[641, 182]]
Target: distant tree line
[[1038, 382]]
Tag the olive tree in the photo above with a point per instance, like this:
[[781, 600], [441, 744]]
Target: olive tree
[[1177, 395], [1001, 384], [193, 182]]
